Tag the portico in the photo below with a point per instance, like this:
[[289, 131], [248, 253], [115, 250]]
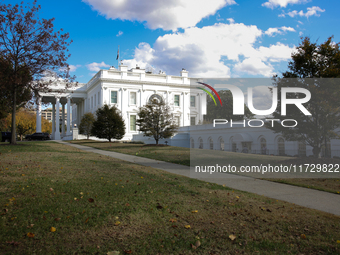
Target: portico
[[57, 99]]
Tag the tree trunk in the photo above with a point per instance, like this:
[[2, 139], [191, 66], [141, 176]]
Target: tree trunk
[[316, 152], [156, 141], [13, 139]]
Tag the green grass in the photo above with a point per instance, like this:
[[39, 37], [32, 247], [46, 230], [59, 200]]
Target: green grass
[[179, 155], [99, 204]]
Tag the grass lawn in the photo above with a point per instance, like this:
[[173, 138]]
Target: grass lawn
[[56, 199], [179, 155]]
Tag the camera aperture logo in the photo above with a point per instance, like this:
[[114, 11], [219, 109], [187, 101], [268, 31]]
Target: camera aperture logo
[[238, 105]]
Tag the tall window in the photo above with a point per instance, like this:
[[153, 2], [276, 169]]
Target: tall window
[[263, 146], [98, 98], [211, 144], [221, 144], [176, 100], [113, 97], [177, 120], [91, 102], [192, 121], [281, 146], [132, 122], [133, 96], [95, 100], [192, 143], [200, 141], [193, 101]]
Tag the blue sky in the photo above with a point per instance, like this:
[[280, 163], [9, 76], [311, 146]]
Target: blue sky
[[216, 38]]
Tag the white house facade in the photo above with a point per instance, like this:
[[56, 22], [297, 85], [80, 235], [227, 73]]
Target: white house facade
[[127, 90], [130, 89]]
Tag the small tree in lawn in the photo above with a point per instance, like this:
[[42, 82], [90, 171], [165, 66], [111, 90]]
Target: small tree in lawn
[[109, 123], [155, 119], [86, 124]]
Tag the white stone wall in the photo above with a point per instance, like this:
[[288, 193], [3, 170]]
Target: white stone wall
[[144, 85]]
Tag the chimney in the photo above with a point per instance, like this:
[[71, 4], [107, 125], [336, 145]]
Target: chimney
[[184, 73]]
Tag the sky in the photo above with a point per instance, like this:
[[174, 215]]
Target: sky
[[210, 39]]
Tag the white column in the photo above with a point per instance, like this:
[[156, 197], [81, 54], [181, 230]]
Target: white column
[[63, 119], [85, 105], [38, 123], [68, 116], [53, 120], [57, 132]]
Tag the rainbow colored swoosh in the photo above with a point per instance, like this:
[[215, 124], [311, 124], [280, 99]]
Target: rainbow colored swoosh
[[213, 90]]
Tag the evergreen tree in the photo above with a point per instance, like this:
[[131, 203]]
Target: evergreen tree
[[86, 124], [109, 123]]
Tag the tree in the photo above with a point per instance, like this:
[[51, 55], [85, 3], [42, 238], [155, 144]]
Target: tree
[[31, 47], [86, 124], [155, 119], [24, 94], [109, 123], [226, 111], [309, 64], [25, 120]]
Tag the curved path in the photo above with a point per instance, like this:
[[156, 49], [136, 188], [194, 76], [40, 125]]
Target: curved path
[[315, 199]]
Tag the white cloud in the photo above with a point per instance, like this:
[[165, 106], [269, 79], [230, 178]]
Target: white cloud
[[168, 15], [221, 50], [73, 68], [96, 66], [119, 33], [282, 3], [311, 11], [255, 66], [278, 30]]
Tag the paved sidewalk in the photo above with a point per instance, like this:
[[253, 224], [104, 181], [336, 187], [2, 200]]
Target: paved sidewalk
[[323, 201]]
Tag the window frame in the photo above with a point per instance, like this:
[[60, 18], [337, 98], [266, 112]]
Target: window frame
[[130, 93], [179, 100], [194, 97], [135, 126], [116, 96]]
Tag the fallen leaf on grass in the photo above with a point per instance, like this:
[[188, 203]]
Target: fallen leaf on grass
[[57, 219], [187, 226], [337, 241], [117, 223], [53, 229], [51, 189], [29, 234], [91, 200], [172, 220], [303, 236], [195, 211], [87, 220], [128, 251], [232, 237]]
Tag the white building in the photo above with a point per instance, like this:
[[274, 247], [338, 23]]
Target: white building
[[130, 89], [127, 90]]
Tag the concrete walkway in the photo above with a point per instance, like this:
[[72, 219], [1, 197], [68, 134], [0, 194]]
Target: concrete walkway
[[323, 201]]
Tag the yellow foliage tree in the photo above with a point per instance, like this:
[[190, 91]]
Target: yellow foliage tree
[[26, 123]]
